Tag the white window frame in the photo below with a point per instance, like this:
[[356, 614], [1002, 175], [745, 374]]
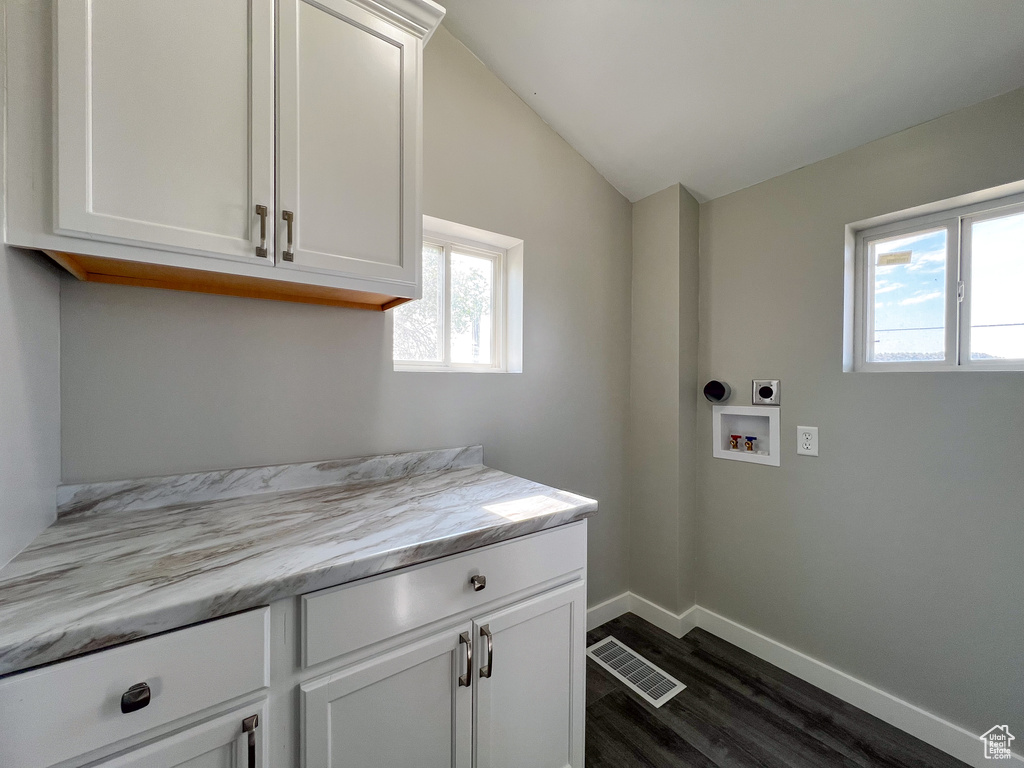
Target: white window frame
[[957, 223], [499, 325]]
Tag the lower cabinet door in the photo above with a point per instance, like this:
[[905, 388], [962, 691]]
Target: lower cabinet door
[[409, 708], [531, 682], [219, 742]]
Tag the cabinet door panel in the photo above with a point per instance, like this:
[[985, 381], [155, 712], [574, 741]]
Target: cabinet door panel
[[216, 743], [404, 709], [165, 122], [348, 139], [530, 710]]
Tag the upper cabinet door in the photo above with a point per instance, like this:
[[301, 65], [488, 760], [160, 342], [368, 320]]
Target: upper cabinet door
[[166, 123], [531, 682], [348, 141]]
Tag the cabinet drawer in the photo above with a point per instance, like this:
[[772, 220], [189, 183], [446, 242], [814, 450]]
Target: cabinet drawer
[[72, 708], [344, 619]]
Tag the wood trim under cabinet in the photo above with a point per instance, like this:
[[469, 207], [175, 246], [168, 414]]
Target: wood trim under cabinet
[[94, 269]]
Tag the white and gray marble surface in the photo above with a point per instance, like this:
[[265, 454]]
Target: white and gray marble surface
[[155, 492], [116, 567]]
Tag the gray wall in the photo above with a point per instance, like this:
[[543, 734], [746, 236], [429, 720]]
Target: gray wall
[[158, 382], [29, 398], [654, 405], [898, 555], [29, 388], [689, 425], [662, 370]]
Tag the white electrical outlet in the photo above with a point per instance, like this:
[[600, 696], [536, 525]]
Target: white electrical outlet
[[807, 441]]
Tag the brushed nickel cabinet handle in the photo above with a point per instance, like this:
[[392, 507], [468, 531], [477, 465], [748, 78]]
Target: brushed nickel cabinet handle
[[486, 669], [261, 249], [249, 726], [289, 253], [478, 582], [467, 679]]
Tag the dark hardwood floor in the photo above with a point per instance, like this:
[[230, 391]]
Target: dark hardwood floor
[[737, 710]]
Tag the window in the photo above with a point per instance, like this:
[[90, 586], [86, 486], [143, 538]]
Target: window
[[943, 291], [463, 321]]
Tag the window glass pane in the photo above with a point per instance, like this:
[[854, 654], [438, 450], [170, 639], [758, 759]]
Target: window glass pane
[[908, 294], [418, 324], [997, 285], [472, 308]]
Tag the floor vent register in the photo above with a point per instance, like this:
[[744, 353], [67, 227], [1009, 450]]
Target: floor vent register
[[642, 677]]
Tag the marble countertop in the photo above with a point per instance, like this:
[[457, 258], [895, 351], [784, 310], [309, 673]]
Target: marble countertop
[[130, 559]]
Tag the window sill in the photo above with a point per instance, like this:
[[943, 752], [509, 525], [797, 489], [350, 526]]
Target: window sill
[[1007, 367], [450, 369]]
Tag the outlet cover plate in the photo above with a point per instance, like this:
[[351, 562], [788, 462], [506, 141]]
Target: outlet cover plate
[[807, 441], [760, 394]]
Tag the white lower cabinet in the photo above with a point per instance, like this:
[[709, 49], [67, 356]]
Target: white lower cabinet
[[81, 710], [530, 682], [506, 690], [410, 707], [475, 660], [220, 742]]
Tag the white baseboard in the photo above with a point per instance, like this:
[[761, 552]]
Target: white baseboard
[[610, 609], [676, 625], [929, 728]]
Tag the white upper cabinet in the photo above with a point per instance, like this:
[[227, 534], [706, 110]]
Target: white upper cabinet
[[165, 122], [266, 148], [347, 140]]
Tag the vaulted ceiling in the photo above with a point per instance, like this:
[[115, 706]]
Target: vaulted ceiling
[[722, 94]]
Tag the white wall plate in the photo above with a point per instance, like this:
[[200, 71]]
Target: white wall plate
[[765, 392]]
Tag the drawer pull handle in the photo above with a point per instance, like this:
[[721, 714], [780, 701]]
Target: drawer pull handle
[[135, 698], [289, 251], [486, 669], [249, 726], [261, 249], [478, 582], [467, 679]]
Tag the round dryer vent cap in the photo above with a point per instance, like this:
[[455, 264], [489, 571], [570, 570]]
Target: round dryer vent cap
[[717, 391]]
